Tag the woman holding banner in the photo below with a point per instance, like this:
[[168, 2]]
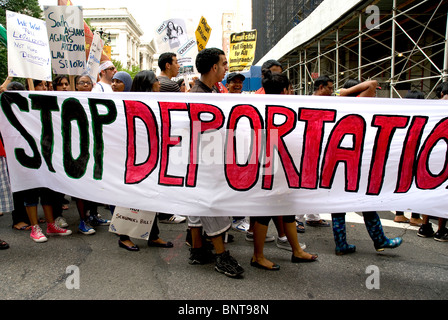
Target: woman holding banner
[[356, 88], [276, 83], [144, 81], [47, 199]]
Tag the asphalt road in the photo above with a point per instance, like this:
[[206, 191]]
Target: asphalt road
[[417, 270]]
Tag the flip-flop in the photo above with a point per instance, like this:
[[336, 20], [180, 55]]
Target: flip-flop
[[300, 227], [24, 228]]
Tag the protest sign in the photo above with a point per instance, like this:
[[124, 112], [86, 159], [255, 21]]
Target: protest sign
[[94, 60], [203, 32], [176, 35], [242, 50], [134, 223], [105, 56], [220, 155], [28, 49], [65, 27]]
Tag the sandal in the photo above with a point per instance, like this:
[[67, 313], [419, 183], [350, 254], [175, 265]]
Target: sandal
[[300, 227], [22, 228], [401, 219], [3, 245], [319, 223]]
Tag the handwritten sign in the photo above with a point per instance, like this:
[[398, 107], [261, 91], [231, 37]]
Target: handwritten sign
[[96, 50], [28, 49], [220, 155], [65, 27]]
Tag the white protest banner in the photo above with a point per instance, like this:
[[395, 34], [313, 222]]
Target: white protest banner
[[28, 49], [223, 155], [65, 27], [134, 223], [96, 51], [178, 36]]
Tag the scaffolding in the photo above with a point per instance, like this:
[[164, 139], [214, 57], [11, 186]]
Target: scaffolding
[[275, 18], [407, 48]]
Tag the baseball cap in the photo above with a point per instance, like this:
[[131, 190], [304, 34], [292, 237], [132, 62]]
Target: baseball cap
[[234, 75]]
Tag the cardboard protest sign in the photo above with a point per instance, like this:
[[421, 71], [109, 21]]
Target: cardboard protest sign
[[65, 27], [94, 60], [88, 35], [219, 155], [242, 50], [28, 49], [176, 35], [134, 223], [203, 33]]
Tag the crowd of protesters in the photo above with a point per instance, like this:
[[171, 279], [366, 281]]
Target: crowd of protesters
[[206, 236]]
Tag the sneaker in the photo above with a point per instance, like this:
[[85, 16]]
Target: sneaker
[[174, 219], [425, 231], [240, 225], [61, 222], [284, 244], [226, 264], [441, 235], [200, 256], [85, 228], [96, 220], [250, 237], [37, 235], [54, 230]]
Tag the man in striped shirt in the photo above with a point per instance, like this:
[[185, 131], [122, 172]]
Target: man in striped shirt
[[169, 69]]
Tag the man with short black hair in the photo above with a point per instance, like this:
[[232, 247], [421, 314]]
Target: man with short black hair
[[169, 68], [211, 63], [323, 86]]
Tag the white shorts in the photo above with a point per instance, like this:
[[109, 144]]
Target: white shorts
[[213, 226]]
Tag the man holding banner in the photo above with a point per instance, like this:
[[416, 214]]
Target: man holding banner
[[212, 65]]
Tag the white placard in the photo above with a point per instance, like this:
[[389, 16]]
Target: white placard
[[28, 49]]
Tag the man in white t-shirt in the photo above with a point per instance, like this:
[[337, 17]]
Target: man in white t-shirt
[[107, 71]]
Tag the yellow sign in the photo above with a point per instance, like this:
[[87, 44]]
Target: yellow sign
[[107, 50], [242, 50], [203, 34]]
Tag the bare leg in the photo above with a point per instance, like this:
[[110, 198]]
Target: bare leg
[[260, 232]]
